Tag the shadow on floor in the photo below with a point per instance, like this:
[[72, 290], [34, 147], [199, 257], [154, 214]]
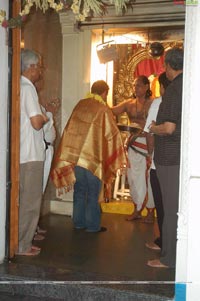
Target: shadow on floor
[[115, 259]]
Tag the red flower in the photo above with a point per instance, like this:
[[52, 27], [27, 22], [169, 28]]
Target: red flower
[[4, 23], [24, 17]]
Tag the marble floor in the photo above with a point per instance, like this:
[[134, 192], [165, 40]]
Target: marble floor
[[114, 259]]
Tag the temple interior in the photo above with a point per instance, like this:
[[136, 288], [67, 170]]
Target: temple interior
[[115, 261]]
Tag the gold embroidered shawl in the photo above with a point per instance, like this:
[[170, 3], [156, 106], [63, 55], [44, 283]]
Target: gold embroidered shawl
[[91, 139]]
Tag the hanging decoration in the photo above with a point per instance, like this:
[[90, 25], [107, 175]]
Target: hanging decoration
[[81, 9], [156, 49]]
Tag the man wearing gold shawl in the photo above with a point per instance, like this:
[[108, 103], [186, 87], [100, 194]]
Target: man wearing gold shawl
[[90, 152]]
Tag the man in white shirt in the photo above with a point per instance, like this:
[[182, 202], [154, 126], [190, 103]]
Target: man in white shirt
[[152, 114], [32, 153]]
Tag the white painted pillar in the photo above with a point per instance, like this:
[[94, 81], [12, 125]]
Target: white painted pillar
[[76, 55], [3, 129], [188, 246], [76, 64]]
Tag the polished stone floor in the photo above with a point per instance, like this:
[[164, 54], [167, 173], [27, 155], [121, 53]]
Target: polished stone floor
[[113, 259]]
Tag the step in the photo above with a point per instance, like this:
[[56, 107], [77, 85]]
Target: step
[[16, 280]]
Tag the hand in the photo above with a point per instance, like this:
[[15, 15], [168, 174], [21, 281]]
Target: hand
[[149, 161], [153, 123], [45, 118], [53, 105]]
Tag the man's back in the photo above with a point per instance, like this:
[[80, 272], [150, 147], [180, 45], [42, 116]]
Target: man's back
[[90, 137]]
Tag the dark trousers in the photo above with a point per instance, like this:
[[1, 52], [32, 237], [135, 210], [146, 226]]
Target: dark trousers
[[155, 185], [169, 183]]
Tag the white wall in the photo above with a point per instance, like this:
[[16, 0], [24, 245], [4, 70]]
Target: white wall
[[75, 84], [3, 129], [42, 33], [188, 246], [76, 67]]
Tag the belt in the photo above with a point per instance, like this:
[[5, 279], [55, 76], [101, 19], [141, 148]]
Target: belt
[[47, 143], [140, 145], [137, 151]]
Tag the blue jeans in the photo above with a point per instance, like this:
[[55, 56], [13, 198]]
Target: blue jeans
[[86, 209]]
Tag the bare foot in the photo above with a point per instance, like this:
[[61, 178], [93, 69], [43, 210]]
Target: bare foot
[[149, 219], [156, 263], [36, 248], [30, 252], [152, 246], [134, 216], [38, 237], [40, 230]]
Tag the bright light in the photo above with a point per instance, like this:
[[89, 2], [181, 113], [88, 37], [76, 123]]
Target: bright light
[[105, 71], [128, 39], [101, 71], [22, 44]]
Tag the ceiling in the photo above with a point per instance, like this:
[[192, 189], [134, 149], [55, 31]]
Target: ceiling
[[145, 34], [151, 20]]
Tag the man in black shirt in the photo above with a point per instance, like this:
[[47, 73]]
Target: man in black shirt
[[167, 130]]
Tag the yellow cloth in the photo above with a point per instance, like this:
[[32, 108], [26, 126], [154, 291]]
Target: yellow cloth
[[91, 139]]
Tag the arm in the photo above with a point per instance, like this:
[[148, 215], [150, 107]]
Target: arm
[[150, 148], [119, 109], [150, 143], [152, 114], [31, 108], [163, 129], [38, 121]]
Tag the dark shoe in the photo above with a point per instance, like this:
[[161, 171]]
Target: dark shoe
[[102, 229]]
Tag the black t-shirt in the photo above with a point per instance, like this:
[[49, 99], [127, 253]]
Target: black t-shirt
[[167, 148]]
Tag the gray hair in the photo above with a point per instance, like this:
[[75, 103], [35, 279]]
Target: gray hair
[[28, 57], [174, 57]]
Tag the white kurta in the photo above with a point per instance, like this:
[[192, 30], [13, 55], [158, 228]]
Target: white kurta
[[49, 136]]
